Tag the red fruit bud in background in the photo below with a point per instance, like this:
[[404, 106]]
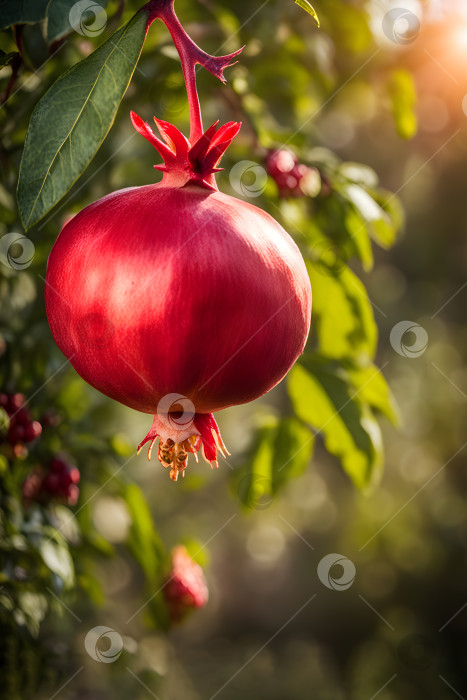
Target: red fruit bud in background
[[32, 431], [72, 495], [32, 485], [58, 465], [16, 433], [292, 178], [186, 588], [74, 475], [50, 419], [22, 416], [52, 484], [59, 483], [21, 429], [280, 162], [15, 402]]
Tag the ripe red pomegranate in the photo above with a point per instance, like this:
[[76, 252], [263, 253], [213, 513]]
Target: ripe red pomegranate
[[174, 298], [185, 589]]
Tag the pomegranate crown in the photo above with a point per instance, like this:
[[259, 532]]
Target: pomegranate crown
[[195, 163], [194, 159]]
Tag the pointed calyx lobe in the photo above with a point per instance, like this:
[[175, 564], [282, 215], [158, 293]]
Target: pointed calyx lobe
[[194, 159], [184, 162]]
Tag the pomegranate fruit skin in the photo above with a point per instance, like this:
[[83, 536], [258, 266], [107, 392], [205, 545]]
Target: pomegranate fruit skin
[[159, 290]]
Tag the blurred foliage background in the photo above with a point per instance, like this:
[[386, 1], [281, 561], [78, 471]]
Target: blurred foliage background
[[380, 84]]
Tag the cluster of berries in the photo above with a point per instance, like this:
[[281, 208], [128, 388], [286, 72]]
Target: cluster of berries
[[292, 178], [23, 428], [185, 589], [59, 482]]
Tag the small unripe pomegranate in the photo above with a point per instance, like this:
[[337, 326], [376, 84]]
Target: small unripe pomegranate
[[173, 298], [186, 588]]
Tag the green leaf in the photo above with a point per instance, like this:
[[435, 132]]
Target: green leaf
[[59, 20], [375, 213], [143, 539], [384, 231], [281, 451], [58, 559], [358, 173], [293, 448], [305, 5], [345, 327], [21, 11], [254, 480], [403, 96], [357, 228], [6, 58], [327, 403], [373, 390], [73, 118], [34, 607]]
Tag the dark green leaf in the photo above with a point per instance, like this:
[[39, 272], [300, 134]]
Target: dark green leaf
[[326, 402], [293, 447], [281, 451], [73, 118], [357, 227], [254, 480], [60, 22], [21, 11], [305, 5]]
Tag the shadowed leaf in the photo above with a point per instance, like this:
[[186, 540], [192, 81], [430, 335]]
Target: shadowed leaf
[[325, 401], [72, 120], [21, 12], [64, 16]]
